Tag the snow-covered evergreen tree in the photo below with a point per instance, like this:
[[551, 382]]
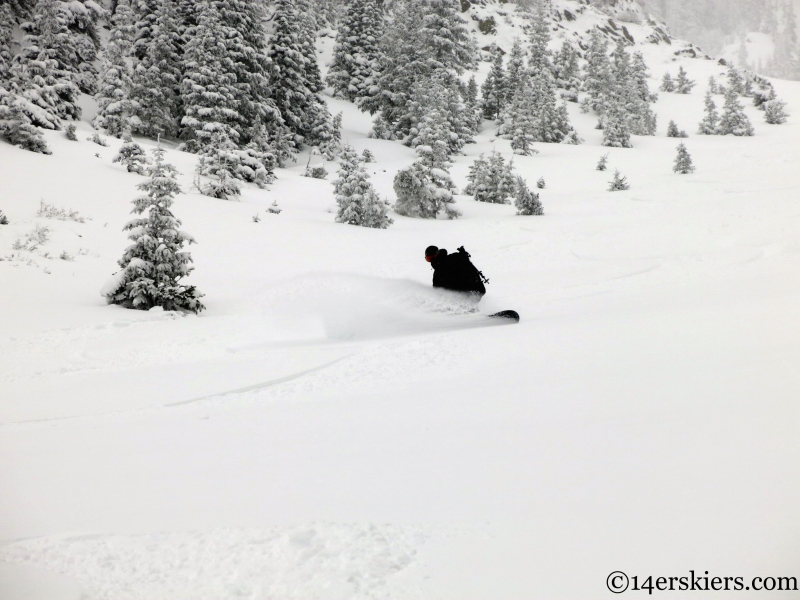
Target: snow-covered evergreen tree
[[491, 180], [602, 164], [532, 115], [223, 159], [667, 84], [713, 87], [494, 86], [145, 16], [598, 71], [539, 61], [639, 75], [66, 33], [427, 39], [683, 85], [295, 83], [522, 122], [774, 112], [132, 157], [629, 93], [358, 202], [673, 131], [153, 266], [733, 120], [263, 149], [516, 73], [425, 188], [476, 173], [44, 70], [356, 55], [473, 106], [736, 81], [156, 77], [445, 37], [526, 201], [251, 67], [307, 13], [619, 183], [113, 94], [328, 135], [440, 93], [683, 162], [6, 41], [566, 68], [208, 89], [16, 129], [710, 123], [616, 131]]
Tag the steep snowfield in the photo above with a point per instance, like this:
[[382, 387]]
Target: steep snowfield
[[332, 428]]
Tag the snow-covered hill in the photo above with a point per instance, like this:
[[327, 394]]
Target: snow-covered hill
[[333, 428]]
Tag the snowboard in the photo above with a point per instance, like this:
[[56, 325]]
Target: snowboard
[[511, 315]]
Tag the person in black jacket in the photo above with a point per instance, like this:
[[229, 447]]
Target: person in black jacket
[[455, 271]]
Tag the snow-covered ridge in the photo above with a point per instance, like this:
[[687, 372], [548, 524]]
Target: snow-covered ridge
[[573, 20]]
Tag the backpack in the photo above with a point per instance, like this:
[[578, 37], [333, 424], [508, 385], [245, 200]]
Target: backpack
[[469, 272]]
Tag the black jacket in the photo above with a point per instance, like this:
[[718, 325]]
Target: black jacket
[[456, 272]]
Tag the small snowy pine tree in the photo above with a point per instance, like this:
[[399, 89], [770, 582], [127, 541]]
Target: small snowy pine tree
[[565, 67], [358, 202], [491, 180], [616, 132], [473, 106], [154, 264], [425, 188], [683, 85], [132, 157], [619, 183], [525, 200], [17, 131], [521, 121], [602, 164], [540, 183], [494, 86], [774, 112], [96, 138], [71, 132], [673, 131], [733, 120], [736, 81], [667, 84], [683, 162], [710, 123]]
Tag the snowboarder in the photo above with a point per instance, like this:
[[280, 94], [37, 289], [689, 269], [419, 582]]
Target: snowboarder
[[455, 271]]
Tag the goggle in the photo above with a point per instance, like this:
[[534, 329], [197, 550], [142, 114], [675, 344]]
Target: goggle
[[430, 257]]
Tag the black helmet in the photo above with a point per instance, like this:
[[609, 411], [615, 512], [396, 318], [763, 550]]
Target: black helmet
[[431, 251]]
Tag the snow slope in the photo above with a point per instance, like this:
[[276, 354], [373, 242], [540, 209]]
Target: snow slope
[[333, 428]]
